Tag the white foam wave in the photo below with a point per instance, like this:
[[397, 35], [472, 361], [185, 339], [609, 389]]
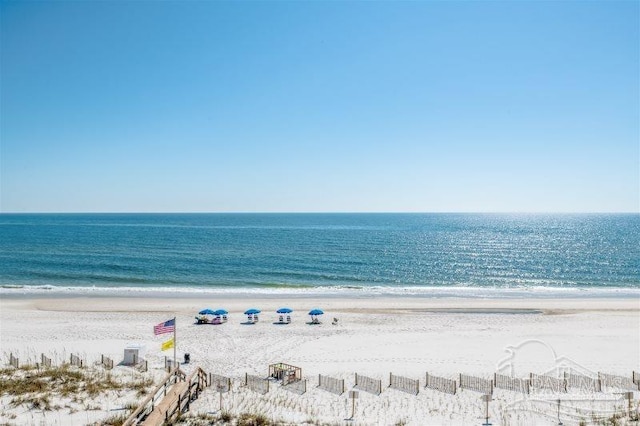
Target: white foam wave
[[461, 291]]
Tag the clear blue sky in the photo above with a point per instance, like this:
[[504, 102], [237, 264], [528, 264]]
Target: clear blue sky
[[320, 106]]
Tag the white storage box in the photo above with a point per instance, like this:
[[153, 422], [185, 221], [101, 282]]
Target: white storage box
[[133, 354]]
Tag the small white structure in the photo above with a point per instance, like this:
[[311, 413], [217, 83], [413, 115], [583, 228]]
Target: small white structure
[[133, 354]]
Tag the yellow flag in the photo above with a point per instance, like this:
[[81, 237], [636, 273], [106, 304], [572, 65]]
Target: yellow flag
[[168, 344]]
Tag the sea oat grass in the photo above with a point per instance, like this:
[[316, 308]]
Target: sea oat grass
[[34, 402], [141, 386], [253, 419], [21, 386], [225, 417], [115, 420], [34, 388]]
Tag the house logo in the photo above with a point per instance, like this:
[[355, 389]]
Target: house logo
[[533, 355], [561, 387]]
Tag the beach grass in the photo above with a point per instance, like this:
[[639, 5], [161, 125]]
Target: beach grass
[[243, 419], [66, 388], [65, 380]]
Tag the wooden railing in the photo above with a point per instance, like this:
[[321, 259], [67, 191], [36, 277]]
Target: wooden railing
[[196, 383], [147, 406]]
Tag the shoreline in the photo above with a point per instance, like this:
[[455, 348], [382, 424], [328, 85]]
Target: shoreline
[[235, 303], [333, 293]]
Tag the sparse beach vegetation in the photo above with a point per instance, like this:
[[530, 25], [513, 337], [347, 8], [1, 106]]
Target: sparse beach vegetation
[[69, 388]]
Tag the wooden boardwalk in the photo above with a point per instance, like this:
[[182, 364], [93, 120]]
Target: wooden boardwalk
[[173, 396], [157, 416]]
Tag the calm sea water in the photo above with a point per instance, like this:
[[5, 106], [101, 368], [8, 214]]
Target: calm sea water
[[388, 253]]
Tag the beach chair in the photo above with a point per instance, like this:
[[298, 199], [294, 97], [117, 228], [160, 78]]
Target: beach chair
[[335, 321], [315, 320], [201, 319], [280, 319], [255, 318], [288, 319], [225, 318]]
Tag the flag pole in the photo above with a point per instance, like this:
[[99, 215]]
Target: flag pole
[[175, 326]]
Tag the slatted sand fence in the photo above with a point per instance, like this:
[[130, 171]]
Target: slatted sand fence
[[75, 360], [368, 384], [142, 366], [256, 383], [513, 384], [331, 384], [635, 376], [45, 361], [13, 361], [618, 382], [477, 384], [404, 384], [582, 382], [441, 384], [139, 363], [106, 362], [220, 383], [541, 382], [295, 386]]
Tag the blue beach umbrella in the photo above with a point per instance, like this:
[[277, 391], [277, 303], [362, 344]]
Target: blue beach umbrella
[[221, 312], [284, 311], [207, 312], [316, 312], [252, 311]]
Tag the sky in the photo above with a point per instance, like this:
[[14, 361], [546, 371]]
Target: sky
[[319, 106]]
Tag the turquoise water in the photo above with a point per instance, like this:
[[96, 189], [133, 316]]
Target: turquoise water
[[382, 253]]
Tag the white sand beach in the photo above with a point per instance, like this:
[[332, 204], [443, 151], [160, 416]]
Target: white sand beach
[[373, 337]]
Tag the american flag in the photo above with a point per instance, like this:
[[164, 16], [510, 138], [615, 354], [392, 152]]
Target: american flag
[[165, 327]]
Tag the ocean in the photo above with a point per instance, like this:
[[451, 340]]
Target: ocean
[[483, 255]]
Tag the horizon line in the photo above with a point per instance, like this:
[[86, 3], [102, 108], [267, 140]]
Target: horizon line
[[320, 212]]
